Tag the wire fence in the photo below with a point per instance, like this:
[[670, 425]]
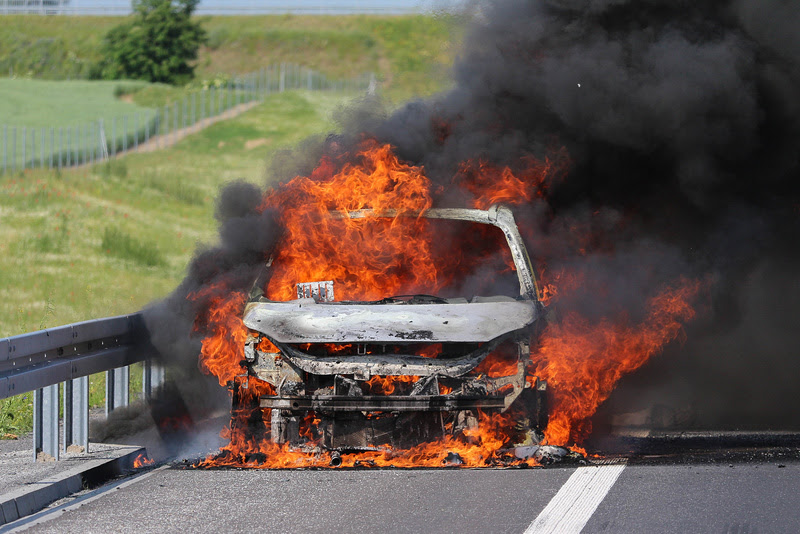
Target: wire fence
[[57, 147]]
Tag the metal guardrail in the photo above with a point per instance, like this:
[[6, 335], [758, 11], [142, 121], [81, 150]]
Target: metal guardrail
[[40, 361]]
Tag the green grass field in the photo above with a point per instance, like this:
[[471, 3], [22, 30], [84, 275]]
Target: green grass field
[[44, 117], [44, 128], [62, 103], [53, 225], [109, 239]]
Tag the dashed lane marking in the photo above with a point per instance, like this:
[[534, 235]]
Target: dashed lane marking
[[572, 507]]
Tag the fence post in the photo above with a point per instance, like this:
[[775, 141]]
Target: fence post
[[91, 143], [124, 135], [5, 148], [175, 122], [52, 145], [117, 384], [24, 145], [76, 414], [310, 79], [14, 149], [41, 148], [136, 131], [211, 102], [114, 136], [33, 148], [282, 83], [194, 108], [60, 146], [45, 421], [102, 141], [202, 104], [183, 115], [69, 146]]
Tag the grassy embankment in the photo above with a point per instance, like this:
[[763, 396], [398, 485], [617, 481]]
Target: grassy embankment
[[107, 240], [409, 54]]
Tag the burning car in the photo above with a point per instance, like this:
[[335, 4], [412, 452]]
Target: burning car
[[401, 370]]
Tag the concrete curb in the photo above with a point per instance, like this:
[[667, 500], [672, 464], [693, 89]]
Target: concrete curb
[[34, 497]]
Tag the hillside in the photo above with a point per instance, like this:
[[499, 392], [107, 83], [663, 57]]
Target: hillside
[[408, 53]]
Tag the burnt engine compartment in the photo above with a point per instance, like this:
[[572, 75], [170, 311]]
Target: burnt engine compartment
[[359, 411], [400, 371]]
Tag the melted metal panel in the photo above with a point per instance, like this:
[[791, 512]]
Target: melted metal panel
[[305, 321], [394, 364]]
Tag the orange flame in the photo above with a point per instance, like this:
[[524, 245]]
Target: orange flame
[[372, 258], [582, 361], [222, 348], [142, 460]]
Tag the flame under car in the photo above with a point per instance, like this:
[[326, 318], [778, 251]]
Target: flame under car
[[401, 370]]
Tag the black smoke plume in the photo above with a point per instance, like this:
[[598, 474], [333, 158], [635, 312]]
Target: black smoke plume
[[681, 119]]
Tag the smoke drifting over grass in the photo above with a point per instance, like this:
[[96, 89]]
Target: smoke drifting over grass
[[682, 124]]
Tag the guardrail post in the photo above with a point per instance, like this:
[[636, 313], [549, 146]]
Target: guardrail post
[[117, 383], [76, 414], [152, 378], [45, 421]]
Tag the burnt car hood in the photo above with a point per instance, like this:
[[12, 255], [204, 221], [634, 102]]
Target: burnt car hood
[[306, 321]]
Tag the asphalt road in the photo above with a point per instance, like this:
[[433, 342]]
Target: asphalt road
[[760, 495]]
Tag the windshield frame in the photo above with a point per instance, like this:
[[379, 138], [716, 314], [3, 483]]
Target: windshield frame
[[497, 215]]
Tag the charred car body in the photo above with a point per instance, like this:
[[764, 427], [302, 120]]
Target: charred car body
[[322, 355]]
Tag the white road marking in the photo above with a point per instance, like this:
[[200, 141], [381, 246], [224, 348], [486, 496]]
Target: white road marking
[[570, 509]]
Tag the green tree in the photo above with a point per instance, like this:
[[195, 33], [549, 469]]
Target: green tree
[[158, 45]]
